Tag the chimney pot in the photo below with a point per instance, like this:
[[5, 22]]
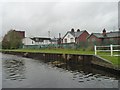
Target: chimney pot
[[72, 30], [104, 32], [78, 30]]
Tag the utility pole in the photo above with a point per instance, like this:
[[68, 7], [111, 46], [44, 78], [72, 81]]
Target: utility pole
[[49, 34], [59, 35]]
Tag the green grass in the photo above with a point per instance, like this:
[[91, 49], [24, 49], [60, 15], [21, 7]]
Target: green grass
[[64, 51], [113, 59]]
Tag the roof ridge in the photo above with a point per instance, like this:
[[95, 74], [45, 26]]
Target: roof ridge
[[97, 33]]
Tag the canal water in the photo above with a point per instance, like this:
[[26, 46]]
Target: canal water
[[19, 72]]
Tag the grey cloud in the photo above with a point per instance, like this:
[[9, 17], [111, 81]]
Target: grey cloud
[[59, 17]]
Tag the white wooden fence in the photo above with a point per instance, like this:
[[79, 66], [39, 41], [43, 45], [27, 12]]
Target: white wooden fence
[[111, 49]]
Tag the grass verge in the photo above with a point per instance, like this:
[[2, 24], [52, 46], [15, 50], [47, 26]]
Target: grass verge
[[114, 59]]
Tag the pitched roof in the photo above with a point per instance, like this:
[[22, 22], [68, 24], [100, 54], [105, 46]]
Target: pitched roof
[[99, 35], [79, 33], [113, 34], [108, 35], [75, 34]]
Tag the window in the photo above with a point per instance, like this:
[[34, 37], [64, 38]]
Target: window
[[41, 40], [71, 39], [46, 41], [65, 40], [37, 39]]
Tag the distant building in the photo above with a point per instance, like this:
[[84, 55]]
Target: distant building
[[36, 41], [28, 41], [41, 40], [54, 40], [20, 33], [75, 37], [104, 38]]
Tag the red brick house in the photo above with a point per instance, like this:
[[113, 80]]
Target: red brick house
[[104, 38], [20, 33], [75, 37], [82, 37]]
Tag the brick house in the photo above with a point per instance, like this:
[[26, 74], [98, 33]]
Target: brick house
[[104, 38], [75, 37], [20, 33]]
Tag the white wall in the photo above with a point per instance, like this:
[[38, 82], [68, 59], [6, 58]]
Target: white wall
[[68, 37], [28, 41], [45, 42]]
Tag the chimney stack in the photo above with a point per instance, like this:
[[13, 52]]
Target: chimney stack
[[78, 30], [104, 32], [59, 35], [72, 30]]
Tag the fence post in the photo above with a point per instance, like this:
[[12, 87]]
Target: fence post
[[111, 49], [95, 50]]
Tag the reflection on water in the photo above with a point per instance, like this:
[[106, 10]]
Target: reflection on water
[[30, 73], [85, 74], [15, 69], [86, 71]]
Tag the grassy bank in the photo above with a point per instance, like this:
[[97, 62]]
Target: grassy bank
[[64, 51], [113, 59]]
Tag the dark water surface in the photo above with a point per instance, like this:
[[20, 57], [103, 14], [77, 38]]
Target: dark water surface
[[19, 72]]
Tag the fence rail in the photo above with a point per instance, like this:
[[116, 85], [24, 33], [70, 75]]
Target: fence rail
[[110, 49]]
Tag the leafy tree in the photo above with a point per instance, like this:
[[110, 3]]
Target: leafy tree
[[12, 40]]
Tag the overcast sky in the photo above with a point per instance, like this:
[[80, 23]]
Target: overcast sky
[[37, 18]]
